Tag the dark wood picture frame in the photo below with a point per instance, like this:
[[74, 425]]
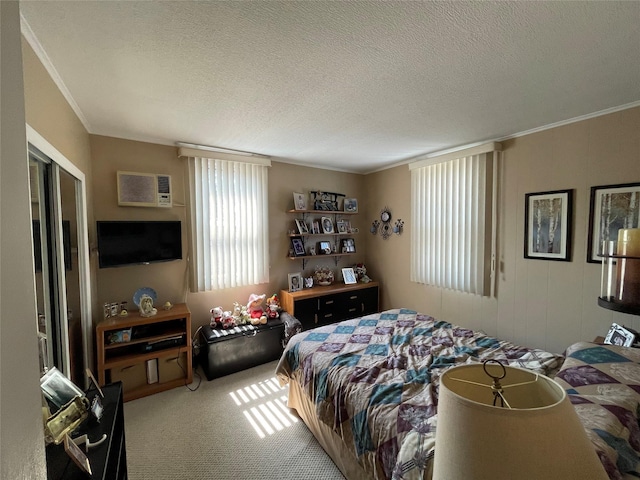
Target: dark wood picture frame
[[298, 247], [548, 225], [611, 207]]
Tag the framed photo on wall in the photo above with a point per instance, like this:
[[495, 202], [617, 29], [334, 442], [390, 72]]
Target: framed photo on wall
[[547, 228], [611, 208]]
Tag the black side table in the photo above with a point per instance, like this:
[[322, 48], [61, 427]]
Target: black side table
[[109, 459]]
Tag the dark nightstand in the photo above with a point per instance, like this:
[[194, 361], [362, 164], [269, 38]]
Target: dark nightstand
[[108, 460]]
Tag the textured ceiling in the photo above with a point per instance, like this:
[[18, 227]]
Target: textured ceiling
[[355, 86]]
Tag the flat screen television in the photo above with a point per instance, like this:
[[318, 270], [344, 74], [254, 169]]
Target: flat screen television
[[123, 243]]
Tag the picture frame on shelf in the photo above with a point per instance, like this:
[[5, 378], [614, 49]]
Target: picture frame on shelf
[[58, 389], [348, 245], [315, 228], [77, 455], [327, 225], [349, 276], [611, 207], [295, 282], [298, 247], [299, 201], [303, 229], [324, 248], [350, 205], [548, 225], [619, 335], [342, 226]]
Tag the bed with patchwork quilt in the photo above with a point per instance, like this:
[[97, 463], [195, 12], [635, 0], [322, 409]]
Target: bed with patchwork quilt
[[367, 387], [603, 384]]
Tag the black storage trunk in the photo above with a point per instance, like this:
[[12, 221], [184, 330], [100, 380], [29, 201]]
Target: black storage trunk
[[228, 351]]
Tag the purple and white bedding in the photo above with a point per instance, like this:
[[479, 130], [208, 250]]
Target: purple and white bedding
[[603, 384], [373, 381]]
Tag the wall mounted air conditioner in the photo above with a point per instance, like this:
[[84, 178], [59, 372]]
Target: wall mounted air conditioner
[[144, 189]]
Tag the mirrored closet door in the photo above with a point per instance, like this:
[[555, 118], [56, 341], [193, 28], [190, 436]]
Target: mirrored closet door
[[60, 251]]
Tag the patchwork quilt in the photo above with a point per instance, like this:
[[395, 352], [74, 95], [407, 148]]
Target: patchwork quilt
[[603, 383], [374, 382]]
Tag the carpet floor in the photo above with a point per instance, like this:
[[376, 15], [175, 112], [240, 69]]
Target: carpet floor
[[231, 428]]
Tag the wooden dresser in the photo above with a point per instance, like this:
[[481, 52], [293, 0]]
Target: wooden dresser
[[321, 305]]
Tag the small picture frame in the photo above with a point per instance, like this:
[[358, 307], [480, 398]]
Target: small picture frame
[[58, 389], [324, 248], [315, 229], [620, 336], [348, 245], [303, 229], [77, 455], [298, 247], [547, 228], [351, 205], [295, 282], [349, 276], [327, 225], [299, 201], [342, 226]]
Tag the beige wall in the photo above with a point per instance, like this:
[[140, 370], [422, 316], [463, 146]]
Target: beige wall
[[21, 435], [169, 279], [539, 303]]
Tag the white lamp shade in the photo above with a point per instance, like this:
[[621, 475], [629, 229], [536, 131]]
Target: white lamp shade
[[539, 437]]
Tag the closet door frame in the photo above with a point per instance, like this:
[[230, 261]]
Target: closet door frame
[[60, 161]]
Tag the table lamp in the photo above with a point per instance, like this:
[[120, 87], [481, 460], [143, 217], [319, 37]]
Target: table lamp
[[499, 423]]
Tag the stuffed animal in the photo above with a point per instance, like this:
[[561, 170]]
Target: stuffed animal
[[255, 310], [240, 314], [273, 306], [227, 320], [216, 317]]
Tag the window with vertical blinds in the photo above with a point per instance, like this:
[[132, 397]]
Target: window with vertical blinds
[[228, 213], [453, 220]]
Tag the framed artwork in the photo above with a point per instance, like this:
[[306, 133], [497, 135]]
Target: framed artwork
[[302, 226], [295, 282], [316, 228], [342, 226], [298, 247], [351, 205], [547, 228], [327, 225], [611, 208], [299, 201], [349, 276]]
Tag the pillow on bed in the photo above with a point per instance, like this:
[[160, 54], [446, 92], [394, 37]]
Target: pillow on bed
[[603, 383]]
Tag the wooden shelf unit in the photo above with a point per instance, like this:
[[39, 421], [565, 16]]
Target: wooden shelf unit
[[310, 236], [145, 331]]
